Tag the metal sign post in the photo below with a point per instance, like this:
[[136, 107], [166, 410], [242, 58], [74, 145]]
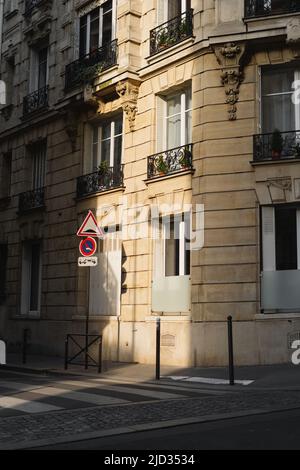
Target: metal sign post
[[88, 247], [87, 319]]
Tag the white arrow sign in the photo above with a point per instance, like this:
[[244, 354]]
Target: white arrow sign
[[87, 262]]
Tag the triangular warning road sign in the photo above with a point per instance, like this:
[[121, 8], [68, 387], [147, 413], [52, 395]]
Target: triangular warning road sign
[[90, 228]]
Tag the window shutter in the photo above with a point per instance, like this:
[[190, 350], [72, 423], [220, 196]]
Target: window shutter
[[268, 239]]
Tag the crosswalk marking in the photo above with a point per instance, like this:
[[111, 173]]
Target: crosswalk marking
[[124, 389], [79, 396], [20, 387], [27, 406]]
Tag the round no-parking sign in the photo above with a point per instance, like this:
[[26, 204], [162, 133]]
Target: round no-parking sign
[[88, 247]]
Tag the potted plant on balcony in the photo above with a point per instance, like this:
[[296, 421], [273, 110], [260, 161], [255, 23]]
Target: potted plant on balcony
[[163, 39], [185, 159], [296, 150], [161, 166], [276, 144]]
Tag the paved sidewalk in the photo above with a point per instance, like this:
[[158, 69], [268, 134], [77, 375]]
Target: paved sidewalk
[[281, 376]]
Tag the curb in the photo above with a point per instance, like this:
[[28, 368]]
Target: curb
[[141, 427]]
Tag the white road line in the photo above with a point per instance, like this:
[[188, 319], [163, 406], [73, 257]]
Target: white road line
[[79, 396], [27, 406], [21, 387], [207, 380], [124, 390]]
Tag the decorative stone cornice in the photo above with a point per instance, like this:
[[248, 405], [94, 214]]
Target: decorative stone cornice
[[91, 100], [128, 92], [230, 56]]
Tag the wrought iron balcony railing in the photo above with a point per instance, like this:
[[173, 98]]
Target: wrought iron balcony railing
[[101, 180], [30, 5], [36, 101], [31, 200], [171, 161], [276, 146], [172, 32], [257, 8], [86, 68]]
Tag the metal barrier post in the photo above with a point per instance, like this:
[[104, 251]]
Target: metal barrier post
[[100, 356], [157, 349], [230, 351], [24, 346], [66, 352]]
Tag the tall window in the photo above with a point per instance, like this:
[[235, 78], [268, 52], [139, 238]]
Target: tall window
[[6, 175], [175, 120], [177, 7], [31, 278], [278, 109], [38, 152], [97, 28], [176, 236], [281, 238], [39, 69], [107, 142]]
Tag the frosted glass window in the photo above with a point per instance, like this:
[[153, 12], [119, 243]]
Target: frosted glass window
[[178, 116], [278, 109]]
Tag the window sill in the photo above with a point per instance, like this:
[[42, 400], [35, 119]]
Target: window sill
[[100, 193], [99, 318], [270, 17], [26, 317], [170, 50], [184, 317], [169, 176], [275, 162], [276, 316]]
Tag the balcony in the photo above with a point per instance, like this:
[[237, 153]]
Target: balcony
[[172, 32], [31, 200], [171, 161], [102, 180], [88, 67], [259, 8], [36, 101], [276, 146]]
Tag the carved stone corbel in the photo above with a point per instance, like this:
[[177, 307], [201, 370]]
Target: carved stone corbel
[[91, 100], [229, 57], [128, 92]]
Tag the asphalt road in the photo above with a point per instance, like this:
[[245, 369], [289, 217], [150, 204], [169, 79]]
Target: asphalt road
[[277, 430]]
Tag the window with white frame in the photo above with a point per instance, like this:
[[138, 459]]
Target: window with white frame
[[169, 9], [175, 122], [39, 69], [280, 238], [277, 108], [176, 238], [31, 278], [108, 142], [97, 28]]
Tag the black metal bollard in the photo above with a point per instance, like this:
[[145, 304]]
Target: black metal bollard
[[230, 351], [66, 352], [100, 356], [157, 375], [24, 346]]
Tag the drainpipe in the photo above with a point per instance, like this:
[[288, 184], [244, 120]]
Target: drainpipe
[[1, 24]]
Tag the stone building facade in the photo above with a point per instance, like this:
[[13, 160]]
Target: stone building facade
[[120, 104]]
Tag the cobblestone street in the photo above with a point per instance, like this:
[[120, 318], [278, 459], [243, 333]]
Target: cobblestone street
[[139, 405]]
